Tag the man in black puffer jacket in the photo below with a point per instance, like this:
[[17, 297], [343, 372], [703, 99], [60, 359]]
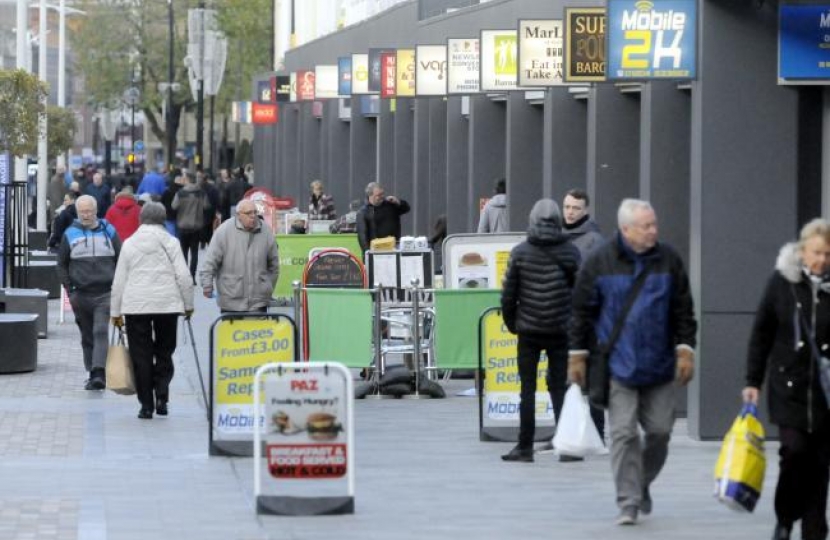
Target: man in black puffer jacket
[[536, 304]]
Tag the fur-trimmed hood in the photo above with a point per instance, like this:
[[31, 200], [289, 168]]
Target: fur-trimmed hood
[[788, 263]]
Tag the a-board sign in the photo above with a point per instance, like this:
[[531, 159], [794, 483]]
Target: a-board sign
[[334, 268], [308, 437], [499, 401], [239, 344]]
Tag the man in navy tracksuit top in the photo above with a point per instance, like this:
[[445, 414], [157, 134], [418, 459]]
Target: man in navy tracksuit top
[[86, 266]]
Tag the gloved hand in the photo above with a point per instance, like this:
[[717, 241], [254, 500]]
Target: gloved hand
[[685, 365], [188, 313], [577, 366], [117, 322]]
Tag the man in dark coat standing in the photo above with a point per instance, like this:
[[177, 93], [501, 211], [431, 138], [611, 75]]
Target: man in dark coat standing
[[536, 303], [380, 216]]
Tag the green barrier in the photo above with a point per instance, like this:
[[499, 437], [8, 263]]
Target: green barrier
[[457, 313], [340, 326], [294, 250]]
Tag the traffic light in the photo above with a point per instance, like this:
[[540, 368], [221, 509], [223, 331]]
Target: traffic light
[[131, 158]]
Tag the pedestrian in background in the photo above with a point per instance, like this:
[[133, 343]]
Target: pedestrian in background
[[654, 351], [242, 262], [380, 217], [124, 213], [536, 305], [579, 226], [102, 193], [151, 288], [494, 215], [191, 205], [87, 257], [320, 204], [347, 223], [792, 327]]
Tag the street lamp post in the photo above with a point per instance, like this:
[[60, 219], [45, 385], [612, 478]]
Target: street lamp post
[[42, 145], [171, 135]]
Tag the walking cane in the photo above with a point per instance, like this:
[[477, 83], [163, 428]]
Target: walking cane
[[198, 367]]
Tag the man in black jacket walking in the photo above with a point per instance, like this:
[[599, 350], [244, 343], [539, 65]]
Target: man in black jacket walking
[[536, 304]]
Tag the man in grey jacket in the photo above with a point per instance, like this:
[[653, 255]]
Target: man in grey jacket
[[243, 261], [582, 230], [494, 215]]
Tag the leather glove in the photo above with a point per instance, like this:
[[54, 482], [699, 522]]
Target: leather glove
[[577, 366], [117, 322], [685, 366], [188, 313]]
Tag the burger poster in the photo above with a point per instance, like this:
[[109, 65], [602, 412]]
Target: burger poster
[[306, 433]]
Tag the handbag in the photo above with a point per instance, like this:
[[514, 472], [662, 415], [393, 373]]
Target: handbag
[[739, 471], [120, 376], [599, 371], [822, 361]]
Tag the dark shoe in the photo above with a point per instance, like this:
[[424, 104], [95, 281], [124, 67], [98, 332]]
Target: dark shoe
[[519, 454], [645, 502], [145, 414], [564, 458], [97, 380], [628, 516], [161, 407], [781, 532]]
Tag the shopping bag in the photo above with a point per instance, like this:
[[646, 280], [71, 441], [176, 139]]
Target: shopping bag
[[576, 434], [120, 377], [739, 472]]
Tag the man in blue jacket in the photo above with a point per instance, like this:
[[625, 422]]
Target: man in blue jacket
[[86, 266], [654, 351]]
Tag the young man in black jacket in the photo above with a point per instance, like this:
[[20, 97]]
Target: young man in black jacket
[[536, 304]]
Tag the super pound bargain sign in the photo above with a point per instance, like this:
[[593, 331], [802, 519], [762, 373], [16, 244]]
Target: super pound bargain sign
[[654, 39], [239, 344]]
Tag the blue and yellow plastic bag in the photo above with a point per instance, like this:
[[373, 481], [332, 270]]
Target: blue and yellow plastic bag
[[739, 472]]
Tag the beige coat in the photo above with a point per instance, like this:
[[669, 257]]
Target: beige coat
[[244, 265]]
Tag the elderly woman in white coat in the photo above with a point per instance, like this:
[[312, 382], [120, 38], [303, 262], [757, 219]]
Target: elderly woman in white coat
[[151, 288]]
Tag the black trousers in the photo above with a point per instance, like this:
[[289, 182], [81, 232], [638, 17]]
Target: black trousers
[[152, 341], [529, 348], [190, 247], [802, 480]]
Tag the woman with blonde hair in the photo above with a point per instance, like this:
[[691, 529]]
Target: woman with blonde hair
[[151, 288], [320, 204], [790, 334]]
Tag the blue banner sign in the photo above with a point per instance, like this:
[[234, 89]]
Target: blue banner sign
[[804, 42], [344, 76], [652, 39]]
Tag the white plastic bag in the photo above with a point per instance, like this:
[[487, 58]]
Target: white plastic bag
[[576, 434]]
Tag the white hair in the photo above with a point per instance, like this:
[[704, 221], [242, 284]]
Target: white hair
[[87, 199], [625, 215]]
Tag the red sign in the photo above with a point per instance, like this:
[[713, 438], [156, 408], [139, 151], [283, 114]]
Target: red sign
[[388, 74], [264, 113], [305, 86], [307, 460]]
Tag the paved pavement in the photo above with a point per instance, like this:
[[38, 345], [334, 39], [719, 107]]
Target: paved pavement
[[79, 465]]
